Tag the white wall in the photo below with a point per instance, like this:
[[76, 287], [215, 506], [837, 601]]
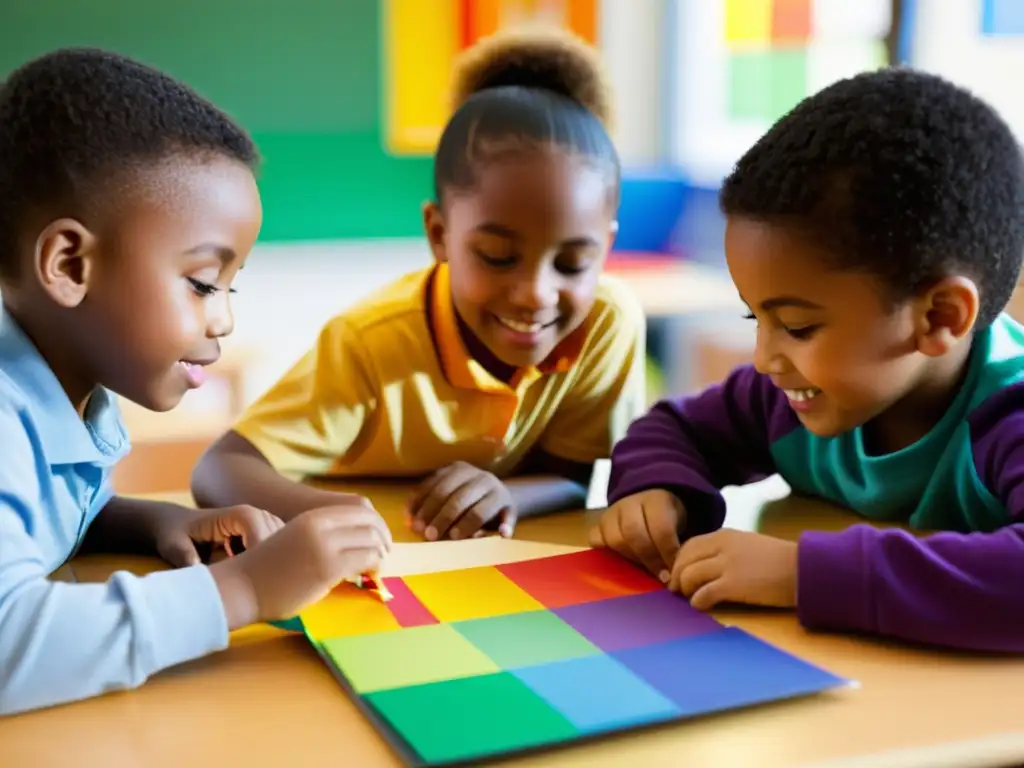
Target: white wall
[[633, 36], [948, 42], [287, 292]]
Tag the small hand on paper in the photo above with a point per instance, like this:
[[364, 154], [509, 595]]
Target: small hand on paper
[[722, 566], [643, 527], [458, 501], [730, 566], [302, 562], [177, 534]]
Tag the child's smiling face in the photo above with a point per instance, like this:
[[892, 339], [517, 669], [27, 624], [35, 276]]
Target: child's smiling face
[[830, 340], [138, 301], [525, 249]]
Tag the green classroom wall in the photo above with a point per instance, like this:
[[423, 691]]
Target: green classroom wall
[[303, 76]]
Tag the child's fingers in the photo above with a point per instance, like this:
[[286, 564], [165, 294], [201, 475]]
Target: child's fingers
[[699, 548], [611, 533], [508, 522], [424, 490], [249, 527], [637, 537], [710, 595], [689, 578], [477, 514], [664, 537], [430, 504], [180, 552], [452, 508]]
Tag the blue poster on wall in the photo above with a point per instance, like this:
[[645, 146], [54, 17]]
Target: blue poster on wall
[[1002, 18]]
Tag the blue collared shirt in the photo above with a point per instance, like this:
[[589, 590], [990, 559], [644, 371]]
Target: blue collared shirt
[[61, 642]]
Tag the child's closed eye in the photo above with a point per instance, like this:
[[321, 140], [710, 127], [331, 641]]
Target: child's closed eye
[[205, 289], [800, 333], [803, 333], [494, 261]]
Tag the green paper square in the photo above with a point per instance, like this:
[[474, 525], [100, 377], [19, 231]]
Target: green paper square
[[765, 85], [526, 639], [788, 81], [406, 657], [471, 718], [749, 85]]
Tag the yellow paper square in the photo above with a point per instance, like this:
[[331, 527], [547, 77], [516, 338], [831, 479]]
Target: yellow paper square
[[748, 23], [347, 611], [474, 593]]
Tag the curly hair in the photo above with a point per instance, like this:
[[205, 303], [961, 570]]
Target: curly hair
[[522, 88], [896, 173], [72, 120]]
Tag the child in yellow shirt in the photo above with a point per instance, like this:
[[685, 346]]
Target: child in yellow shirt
[[498, 375]]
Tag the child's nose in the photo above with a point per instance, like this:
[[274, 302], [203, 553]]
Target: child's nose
[[535, 294], [220, 321], [767, 360]]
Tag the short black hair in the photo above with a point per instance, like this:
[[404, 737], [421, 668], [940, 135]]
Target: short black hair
[[520, 89], [74, 118], [897, 173]]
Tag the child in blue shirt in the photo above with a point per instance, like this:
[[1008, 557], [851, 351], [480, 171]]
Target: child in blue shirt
[[127, 206], [876, 234]]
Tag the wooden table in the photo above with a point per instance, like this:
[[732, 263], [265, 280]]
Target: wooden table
[[269, 701]]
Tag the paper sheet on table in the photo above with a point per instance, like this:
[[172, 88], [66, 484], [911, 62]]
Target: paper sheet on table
[[430, 557]]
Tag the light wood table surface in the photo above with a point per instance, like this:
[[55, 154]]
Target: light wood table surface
[[270, 701]]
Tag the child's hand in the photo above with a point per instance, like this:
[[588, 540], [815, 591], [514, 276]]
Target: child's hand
[[302, 562], [643, 527], [176, 535], [729, 566], [458, 501]]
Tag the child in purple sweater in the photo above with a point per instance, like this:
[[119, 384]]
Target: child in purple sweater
[[876, 234]]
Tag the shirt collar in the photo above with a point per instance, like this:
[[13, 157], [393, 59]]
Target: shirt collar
[[465, 372], [67, 439]]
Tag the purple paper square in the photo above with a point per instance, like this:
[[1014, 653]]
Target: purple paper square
[[635, 620]]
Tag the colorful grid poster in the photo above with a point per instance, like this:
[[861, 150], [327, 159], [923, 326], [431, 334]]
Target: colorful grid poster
[[422, 39], [756, 59], [538, 654]]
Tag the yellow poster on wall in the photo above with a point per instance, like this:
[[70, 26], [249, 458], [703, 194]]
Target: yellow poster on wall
[[421, 40]]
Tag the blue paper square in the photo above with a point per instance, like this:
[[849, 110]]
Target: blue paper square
[[724, 670], [1002, 18], [597, 693]]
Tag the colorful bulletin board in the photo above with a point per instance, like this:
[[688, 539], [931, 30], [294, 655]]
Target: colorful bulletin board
[[1002, 18], [757, 59], [470, 665], [422, 39]]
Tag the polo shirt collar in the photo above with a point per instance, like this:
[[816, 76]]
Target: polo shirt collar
[[67, 439], [464, 371]]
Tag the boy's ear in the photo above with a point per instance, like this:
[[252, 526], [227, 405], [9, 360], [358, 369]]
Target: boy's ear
[[434, 227], [64, 260], [949, 311]]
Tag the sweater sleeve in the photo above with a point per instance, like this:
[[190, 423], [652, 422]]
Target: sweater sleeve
[[961, 590], [695, 446]]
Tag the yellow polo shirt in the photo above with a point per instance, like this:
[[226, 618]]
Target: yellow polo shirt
[[389, 390]]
